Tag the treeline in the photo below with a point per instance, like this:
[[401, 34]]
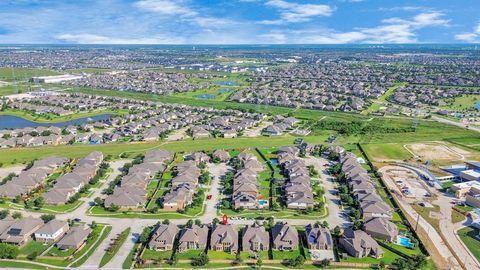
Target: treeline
[[359, 127]]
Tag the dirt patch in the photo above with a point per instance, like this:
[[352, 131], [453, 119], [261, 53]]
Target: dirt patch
[[434, 152]]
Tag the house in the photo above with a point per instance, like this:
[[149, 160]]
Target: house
[[20, 231], [126, 197], [178, 197], [74, 238], [381, 228], [300, 200], [359, 244], [371, 209], [193, 237], [224, 238], [229, 133], [164, 237], [318, 238], [255, 238], [221, 155], [52, 231], [273, 130], [284, 237]]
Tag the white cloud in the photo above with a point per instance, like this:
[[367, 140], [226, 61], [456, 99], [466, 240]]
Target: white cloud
[[295, 13], [393, 30], [86, 38], [165, 7], [472, 37]]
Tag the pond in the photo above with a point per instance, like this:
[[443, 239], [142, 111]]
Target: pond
[[205, 96], [227, 83], [13, 122], [477, 105], [225, 90]]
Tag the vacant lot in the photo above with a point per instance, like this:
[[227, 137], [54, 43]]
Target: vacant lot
[[435, 151]]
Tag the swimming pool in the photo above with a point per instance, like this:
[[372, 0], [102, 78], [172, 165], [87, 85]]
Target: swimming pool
[[262, 202], [274, 161], [405, 241]]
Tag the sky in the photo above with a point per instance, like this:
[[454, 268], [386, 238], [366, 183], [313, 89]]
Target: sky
[[239, 21]]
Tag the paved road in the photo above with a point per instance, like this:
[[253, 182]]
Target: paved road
[[335, 217], [137, 224], [451, 122], [448, 229], [216, 171]]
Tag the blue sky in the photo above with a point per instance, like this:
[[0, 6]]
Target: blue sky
[[239, 21]]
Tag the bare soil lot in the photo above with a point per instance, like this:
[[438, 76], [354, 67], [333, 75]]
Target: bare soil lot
[[436, 151]]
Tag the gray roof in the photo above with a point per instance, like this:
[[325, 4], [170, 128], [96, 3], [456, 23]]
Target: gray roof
[[52, 226]]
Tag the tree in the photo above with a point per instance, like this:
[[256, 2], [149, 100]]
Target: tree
[[114, 208], [39, 202], [215, 221], [296, 262], [8, 251], [259, 263], [201, 260], [198, 222], [166, 222], [93, 225], [4, 213], [189, 223], [17, 215], [32, 256], [98, 201], [337, 231], [47, 217], [145, 235]]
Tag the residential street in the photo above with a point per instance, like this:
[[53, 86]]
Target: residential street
[[334, 217]]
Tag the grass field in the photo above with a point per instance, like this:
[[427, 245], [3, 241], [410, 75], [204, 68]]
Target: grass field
[[150, 254], [461, 103], [387, 151], [19, 74], [23, 155], [468, 236]]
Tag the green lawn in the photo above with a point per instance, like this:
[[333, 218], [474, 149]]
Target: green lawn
[[130, 257], [24, 74], [388, 258], [150, 254], [25, 265], [387, 151], [33, 247], [220, 255], [189, 254], [461, 103], [56, 252], [468, 236], [279, 255], [92, 242], [249, 255], [115, 248], [190, 213], [24, 155]]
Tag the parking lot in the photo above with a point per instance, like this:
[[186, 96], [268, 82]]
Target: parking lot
[[408, 183]]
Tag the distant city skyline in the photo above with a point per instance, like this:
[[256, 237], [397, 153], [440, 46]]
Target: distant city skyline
[[239, 21]]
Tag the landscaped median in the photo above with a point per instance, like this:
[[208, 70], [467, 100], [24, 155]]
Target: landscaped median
[[114, 247]]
